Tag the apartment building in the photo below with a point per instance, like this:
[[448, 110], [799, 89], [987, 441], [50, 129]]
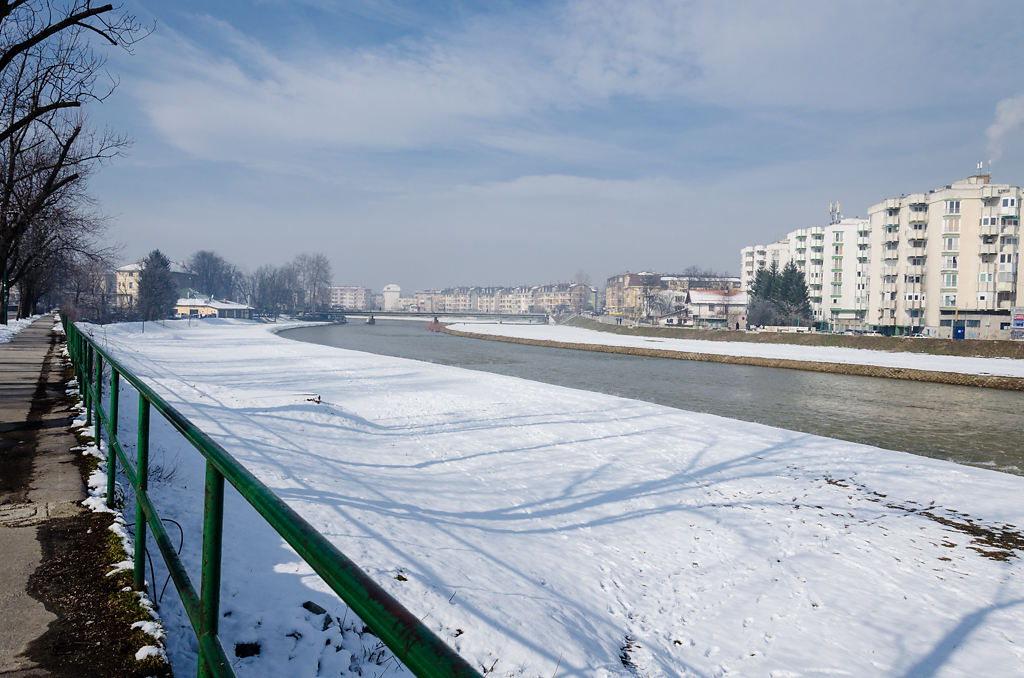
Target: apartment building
[[513, 300], [560, 298], [350, 297], [835, 262], [756, 257], [946, 262], [429, 301], [390, 296], [552, 298], [943, 263]]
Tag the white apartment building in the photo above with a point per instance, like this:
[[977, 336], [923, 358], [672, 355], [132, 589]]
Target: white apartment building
[[390, 295], [350, 297], [757, 257], [834, 261], [946, 262]]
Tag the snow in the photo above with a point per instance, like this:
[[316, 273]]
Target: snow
[[13, 327], [1005, 367], [546, 531]]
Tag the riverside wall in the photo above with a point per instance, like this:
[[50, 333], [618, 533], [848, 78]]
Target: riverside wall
[[932, 376]]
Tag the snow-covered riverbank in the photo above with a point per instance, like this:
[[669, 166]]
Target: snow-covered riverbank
[[1005, 367], [545, 531]]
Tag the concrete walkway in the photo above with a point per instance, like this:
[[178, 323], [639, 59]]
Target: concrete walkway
[[39, 481]]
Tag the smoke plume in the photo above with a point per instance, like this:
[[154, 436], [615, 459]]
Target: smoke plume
[[1009, 116]]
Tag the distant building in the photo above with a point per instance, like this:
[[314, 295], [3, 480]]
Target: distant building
[[946, 263], [943, 263], [551, 298], [350, 297], [717, 308], [212, 308], [391, 294], [625, 292], [834, 261], [126, 283]]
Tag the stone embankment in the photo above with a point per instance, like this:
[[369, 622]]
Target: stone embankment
[[933, 376]]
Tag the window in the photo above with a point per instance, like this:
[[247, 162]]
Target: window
[[949, 263], [949, 300], [837, 249], [951, 244], [1009, 202], [952, 207], [985, 277], [946, 323], [981, 297], [949, 279], [839, 236], [974, 323], [951, 226]]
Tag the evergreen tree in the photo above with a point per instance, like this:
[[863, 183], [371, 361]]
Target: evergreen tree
[[157, 291], [766, 281], [779, 297], [792, 295]]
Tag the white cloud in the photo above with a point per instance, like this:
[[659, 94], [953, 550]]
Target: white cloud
[[487, 80]]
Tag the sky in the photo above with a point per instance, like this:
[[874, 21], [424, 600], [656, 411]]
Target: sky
[[432, 144]]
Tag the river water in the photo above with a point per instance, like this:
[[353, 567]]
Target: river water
[[968, 425]]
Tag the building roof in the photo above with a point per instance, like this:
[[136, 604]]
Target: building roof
[[212, 303], [728, 297], [137, 266]]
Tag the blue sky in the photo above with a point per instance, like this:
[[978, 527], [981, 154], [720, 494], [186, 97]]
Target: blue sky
[[444, 143]]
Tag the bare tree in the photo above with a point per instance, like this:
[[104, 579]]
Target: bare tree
[[314, 273], [48, 70], [214, 275], [649, 298], [272, 290], [86, 288]]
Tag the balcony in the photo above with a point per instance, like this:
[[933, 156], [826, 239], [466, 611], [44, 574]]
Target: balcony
[[1009, 211], [886, 288], [1005, 286], [918, 251], [988, 229], [914, 269], [988, 248]]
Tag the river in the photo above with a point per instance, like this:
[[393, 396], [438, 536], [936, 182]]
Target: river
[[967, 425]]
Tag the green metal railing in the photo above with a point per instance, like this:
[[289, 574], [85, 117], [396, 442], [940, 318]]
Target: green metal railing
[[413, 644]]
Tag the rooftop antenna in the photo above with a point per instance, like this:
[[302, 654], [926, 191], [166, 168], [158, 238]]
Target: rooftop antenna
[[835, 215]]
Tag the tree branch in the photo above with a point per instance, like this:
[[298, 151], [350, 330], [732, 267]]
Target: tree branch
[[75, 19], [37, 113]]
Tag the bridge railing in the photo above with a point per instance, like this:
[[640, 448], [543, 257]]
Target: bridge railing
[[422, 652]]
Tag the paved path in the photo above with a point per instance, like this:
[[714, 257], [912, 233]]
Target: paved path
[[39, 480]]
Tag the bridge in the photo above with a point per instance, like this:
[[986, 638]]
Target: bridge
[[442, 317]]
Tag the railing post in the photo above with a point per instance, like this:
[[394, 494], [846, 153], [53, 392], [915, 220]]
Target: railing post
[[209, 597], [86, 383], [115, 387], [142, 474], [98, 401]]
